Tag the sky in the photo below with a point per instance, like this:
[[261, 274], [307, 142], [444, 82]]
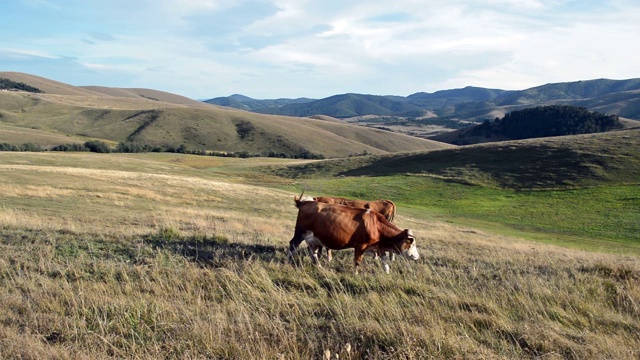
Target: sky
[[268, 49]]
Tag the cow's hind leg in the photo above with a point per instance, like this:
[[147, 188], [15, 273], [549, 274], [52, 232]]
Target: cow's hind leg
[[357, 258], [313, 252], [329, 255]]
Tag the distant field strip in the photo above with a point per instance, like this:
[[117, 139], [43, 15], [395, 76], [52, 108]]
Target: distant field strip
[[136, 176], [114, 201]]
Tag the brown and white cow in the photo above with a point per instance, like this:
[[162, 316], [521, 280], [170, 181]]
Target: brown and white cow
[[340, 227], [383, 206]]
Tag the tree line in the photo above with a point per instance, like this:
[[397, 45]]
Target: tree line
[[545, 121], [98, 146], [6, 84]]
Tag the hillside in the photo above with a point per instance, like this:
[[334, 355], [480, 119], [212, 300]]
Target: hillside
[[149, 94], [158, 118], [611, 158]]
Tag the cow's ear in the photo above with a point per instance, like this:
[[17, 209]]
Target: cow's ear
[[410, 239]]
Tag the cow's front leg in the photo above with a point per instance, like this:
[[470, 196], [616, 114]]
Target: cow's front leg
[[294, 243], [357, 258], [385, 262], [293, 246]]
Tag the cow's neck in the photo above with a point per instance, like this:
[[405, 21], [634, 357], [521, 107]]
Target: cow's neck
[[392, 239], [388, 230]]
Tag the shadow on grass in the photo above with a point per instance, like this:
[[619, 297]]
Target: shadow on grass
[[216, 251]]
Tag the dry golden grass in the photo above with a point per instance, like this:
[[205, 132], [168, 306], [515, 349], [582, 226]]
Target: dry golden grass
[[15, 135], [123, 260]]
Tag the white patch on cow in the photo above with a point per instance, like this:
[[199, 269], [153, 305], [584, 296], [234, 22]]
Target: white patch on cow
[[306, 198], [385, 262], [412, 252]]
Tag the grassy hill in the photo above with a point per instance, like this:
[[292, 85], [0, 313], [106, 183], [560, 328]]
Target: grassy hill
[[158, 118], [16, 135], [611, 158]]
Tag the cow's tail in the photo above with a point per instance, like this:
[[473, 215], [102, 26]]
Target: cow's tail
[[392, 213]]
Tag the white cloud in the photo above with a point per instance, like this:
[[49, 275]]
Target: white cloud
[[292, 48]]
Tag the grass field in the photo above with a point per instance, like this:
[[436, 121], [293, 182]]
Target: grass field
[[174, 256]]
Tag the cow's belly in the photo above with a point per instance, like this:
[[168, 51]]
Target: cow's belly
[[317, 240], [312, 240]]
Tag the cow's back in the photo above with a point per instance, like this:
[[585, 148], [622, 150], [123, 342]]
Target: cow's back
[[336, 226], [385, 207]]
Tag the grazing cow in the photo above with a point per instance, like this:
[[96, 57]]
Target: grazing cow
[[340, 227], [384, 207]]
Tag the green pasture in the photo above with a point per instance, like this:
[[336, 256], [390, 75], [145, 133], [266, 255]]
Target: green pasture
[[599, 218]]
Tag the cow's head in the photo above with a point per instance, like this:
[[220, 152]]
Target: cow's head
[[298, 200], [408, 248]]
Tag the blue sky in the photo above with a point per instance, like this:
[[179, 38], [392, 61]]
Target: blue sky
[[287, 49]]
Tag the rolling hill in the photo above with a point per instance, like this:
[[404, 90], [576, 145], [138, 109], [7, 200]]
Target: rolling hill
[[159, 118], [611, 158]]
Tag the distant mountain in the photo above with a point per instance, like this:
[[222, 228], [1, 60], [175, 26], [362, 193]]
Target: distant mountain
[[444, 98], [246, 103], [348, 105], [578, 90], [465, 105]]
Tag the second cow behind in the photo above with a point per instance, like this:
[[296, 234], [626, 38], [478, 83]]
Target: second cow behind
[[385, 207]]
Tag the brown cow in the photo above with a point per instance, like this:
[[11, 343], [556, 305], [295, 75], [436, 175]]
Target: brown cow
[[384, 207], [340, 227]]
